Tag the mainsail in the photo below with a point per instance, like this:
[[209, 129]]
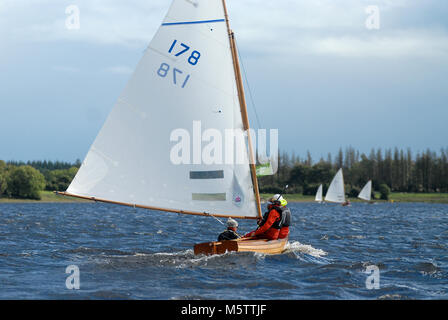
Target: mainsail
[[366, 192], [335, 192], [185, 82], [319, 194]]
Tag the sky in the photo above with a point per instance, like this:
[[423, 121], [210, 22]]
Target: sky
[[327, 74]]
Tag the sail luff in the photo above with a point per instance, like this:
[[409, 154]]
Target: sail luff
[[243, 107]]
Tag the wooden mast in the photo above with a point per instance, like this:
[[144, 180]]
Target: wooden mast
[[243, 107]]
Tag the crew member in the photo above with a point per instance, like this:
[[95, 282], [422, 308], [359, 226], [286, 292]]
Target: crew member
[[275, 222], [286, 219], [230, 233]]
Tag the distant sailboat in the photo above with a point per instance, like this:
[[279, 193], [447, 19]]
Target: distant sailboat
[[189, 71], [366, 192], [319, 195], [336, 191]]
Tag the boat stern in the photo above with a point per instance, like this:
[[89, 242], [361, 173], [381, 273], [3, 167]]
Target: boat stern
[[219, 247]]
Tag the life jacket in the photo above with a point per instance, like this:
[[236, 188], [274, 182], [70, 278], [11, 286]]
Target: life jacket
[[228, 235], [285, 216], [283, 221]]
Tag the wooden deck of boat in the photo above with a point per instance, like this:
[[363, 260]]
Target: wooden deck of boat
[[241, 245]]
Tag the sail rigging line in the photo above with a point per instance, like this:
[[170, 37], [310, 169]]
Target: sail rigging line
[[243, 108], [250, 91], [215, 218]]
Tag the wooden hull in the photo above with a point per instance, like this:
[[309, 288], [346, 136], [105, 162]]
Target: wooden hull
[[241, 245]]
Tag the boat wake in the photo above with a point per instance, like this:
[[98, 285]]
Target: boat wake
[[298, 248], [116, 259]]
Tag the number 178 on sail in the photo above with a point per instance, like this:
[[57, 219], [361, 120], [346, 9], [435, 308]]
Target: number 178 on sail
[[178, 50]]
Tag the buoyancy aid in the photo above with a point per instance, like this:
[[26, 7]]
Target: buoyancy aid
[[283, 221], [285, 216]]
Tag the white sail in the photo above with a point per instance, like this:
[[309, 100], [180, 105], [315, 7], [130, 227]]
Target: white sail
[[319, 194], [366, 192], [185, 76], [336, 191]]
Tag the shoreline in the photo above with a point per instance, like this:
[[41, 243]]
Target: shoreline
[[395, 197], [46, 197]]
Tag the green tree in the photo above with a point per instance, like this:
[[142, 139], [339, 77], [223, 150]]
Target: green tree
[[3, 177], [25, 182], [384, 191], [59, 180], [300, 174], [353, 191]]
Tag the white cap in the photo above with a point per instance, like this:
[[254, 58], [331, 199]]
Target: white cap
[[231, 223]]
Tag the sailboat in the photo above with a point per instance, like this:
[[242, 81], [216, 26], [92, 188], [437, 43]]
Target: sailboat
[[319, 195], [336, 191], [366, 192], [189, 77]]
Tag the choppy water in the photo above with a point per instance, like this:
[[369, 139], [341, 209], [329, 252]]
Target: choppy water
[[126, 253]]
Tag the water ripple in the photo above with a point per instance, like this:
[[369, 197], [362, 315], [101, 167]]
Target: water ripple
[[124, 253]]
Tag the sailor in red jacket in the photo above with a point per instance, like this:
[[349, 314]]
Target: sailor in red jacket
[[275, 222]]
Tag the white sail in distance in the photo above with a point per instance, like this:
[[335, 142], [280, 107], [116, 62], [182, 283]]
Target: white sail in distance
[[366, 192], [336, 191], [319, 194], [186, 76]]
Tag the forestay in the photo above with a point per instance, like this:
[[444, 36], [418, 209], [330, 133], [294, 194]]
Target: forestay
[[186, 75], [366, 192], [336, 191]]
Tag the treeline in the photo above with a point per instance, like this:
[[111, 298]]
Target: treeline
[[27, 180], [400, 170], [396, 170]]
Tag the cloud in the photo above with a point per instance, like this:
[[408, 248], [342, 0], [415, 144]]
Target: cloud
[[120, 70], [323, 27], [338, 28], [388, 44], [399, 44], [67, 69], [108, 22], [312, 59]]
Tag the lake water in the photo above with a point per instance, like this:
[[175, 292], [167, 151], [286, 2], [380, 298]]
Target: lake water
[[127, 253]]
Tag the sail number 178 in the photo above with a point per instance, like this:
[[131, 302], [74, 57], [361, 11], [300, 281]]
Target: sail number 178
[[178, 75], [180, 49]]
